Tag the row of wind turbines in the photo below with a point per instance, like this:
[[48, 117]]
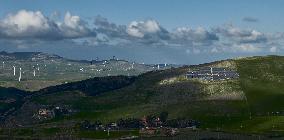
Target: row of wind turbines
[[20, 71], [36, 68]]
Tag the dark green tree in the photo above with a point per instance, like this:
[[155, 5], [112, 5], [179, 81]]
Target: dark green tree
[[164, 116]]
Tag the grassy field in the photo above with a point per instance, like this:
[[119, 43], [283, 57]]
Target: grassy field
[[105, 135], [50, 133], [262, 80]]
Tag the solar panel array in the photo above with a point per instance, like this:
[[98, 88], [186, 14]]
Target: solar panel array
[[212, 73]]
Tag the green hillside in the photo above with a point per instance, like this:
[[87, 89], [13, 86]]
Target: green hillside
[[262, 79], [249, 104]]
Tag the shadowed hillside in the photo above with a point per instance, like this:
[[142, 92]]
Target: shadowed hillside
[[10, 100]]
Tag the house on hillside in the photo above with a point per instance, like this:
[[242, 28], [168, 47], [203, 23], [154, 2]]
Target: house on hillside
[[45, 113]]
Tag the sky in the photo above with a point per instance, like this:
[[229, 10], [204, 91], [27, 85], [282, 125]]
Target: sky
[[149, 31]]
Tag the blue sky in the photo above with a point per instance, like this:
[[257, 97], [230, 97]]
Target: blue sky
[[148, 30], [170, 13]]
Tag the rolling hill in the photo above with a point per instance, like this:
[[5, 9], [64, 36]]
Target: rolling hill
[[253, 103], [41, 70]]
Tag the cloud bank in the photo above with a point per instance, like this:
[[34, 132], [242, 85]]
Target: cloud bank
[[28, 24], [33, 27]]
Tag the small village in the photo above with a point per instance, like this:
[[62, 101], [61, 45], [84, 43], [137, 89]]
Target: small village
[[50, 112], [151, 125]]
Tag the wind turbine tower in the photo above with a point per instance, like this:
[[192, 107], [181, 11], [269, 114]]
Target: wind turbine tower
[[37, 67], [20, 76], [14, 68], [211, 70]]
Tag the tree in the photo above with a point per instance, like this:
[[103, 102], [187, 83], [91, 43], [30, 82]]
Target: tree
[[164, 116]]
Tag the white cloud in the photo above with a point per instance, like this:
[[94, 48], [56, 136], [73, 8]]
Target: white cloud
[[133, 30], [199, 35], [139, 29], [29, 24], [241, 35], [24, 23], [246, 48], [273, 49], [72, 21], [32, 26], [112, 30], [74, 27]]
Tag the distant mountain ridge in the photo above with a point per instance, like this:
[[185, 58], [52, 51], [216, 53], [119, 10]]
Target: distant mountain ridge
[[27, 56]]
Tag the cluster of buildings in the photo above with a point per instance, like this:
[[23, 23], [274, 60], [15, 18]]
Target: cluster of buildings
[[49, 113], [212, 73], [148, 125]]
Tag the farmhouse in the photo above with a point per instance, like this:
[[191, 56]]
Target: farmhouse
[[45, 113]]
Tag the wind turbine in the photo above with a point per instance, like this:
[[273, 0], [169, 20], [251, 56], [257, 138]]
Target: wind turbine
[[37, 67], [20, 76], [211, 70], [14, 70]]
